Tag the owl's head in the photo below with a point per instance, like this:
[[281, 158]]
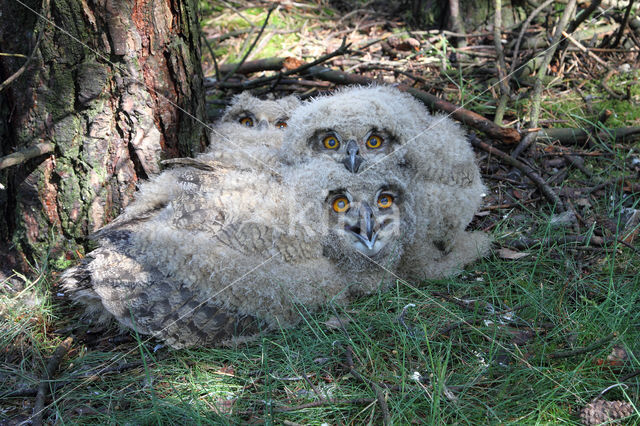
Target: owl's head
[[252, 112], [357, 218], [354, 127]]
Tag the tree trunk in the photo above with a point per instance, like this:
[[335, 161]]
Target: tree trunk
[[114, 86]]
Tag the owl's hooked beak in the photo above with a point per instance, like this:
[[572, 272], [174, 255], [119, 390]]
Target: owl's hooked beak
[[367, 223], [262, 124], [352, 161]]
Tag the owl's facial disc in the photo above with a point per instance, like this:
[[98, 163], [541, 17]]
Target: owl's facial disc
[[366, 229], [352, 160]]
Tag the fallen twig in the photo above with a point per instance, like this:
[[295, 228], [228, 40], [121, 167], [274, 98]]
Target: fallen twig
[[536, 98], [623, 25], [580, 351], [531, 174], [504, 134], [536, 11], [572, 136], [44, 388], [583, 49], [302, 68], [26, 154], [386, 417], [244, 58]]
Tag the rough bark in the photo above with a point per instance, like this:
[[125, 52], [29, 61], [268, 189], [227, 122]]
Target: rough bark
[[109, 86]]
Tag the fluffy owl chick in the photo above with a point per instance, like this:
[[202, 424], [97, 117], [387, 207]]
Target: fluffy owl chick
[[382, 129], [235, 251], [247, 136], [250, 131]]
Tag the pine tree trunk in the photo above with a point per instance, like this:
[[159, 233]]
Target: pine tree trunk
[[107, 87]]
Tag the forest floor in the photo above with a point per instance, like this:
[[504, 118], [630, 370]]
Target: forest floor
[[545, 325]]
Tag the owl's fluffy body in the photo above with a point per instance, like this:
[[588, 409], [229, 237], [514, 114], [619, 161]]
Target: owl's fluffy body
[[247, 246], [205, 256], [428, 152]]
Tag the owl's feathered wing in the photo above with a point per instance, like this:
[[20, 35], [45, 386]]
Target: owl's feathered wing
[[215, 263]]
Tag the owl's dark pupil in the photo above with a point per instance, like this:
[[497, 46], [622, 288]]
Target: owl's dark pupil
[[341, 204], [384, 200], [332, 142]]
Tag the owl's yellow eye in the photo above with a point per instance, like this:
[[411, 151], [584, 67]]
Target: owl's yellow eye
[[281, 124], [374, 141], [385, 201], [331, 142], [246, 121], [340, 205]]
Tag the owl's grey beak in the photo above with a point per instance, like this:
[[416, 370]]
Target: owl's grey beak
[[352, 161], [366, 223], [262, 124]]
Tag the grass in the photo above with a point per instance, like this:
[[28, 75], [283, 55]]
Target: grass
[[493, 369]]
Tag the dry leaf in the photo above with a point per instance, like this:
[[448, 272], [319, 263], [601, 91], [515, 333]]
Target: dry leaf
[[509, 254], [291, 63], [335, 323]]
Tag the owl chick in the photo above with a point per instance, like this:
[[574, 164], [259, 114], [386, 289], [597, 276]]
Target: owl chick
[[250, 131], [235, 251], [247, 136], [380, 128]]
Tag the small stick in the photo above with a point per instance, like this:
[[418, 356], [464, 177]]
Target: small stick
[[261, 81], [43, 389], [386, 417], [580, 46], [625, 20], [514, 62], [213, 56], [244, 58], [580, 351], [26, 154], [356, 401], [536, 98], [531, 174]]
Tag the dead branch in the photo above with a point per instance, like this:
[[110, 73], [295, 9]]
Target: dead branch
[[386, 417], [503, 77], [571, 136], [583, 49], [244, 58], [580, 351], [623, 25], [528, 171], [26, 154], [300, 69], [504, 134], [536, 98], [525, 26], [268, 64], [43, 389]]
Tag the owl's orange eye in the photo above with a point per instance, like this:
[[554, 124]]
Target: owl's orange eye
[[374, 141], [281, 124], [331, 142], [246, 121], [385, 201], [340, 204]]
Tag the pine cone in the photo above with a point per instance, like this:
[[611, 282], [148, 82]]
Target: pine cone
[[600, 411]]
